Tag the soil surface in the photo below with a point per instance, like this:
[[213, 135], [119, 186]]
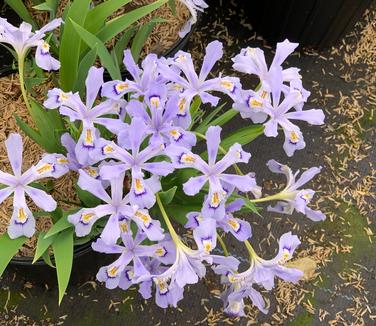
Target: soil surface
[[342, 290]]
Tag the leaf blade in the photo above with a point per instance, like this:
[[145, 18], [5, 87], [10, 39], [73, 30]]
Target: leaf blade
[[22, 12], [9, 247], [42, 245], [98, 15], [121, 23], [70, 46], [61, 225], [94, 42], [63, 253]]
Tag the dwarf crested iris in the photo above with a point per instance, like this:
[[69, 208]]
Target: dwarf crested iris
[[148, 159], [21, 183], [22, 39]]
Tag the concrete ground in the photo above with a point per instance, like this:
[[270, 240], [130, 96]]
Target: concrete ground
[[342, 291]]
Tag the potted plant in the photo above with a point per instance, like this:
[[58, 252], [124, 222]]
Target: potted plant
[[132, 143], [48, 247]]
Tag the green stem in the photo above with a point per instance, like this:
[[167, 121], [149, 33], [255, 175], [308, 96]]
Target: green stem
[[251, 251], [223, 245], [171, 229], [21, 69], [268, 198]]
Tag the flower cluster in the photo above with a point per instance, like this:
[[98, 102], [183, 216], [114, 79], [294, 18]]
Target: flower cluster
[[279, 92], [137, 140]]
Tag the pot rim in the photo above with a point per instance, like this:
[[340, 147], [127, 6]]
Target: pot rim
[[78, 251]]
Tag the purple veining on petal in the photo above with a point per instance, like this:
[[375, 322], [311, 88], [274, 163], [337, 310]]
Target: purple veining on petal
[[128, 274]]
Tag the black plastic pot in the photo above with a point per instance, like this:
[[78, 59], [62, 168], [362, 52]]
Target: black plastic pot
[[181, 42], [316, 23], [86, 263]]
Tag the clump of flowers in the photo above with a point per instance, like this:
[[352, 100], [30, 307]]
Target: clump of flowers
[[134, 148]]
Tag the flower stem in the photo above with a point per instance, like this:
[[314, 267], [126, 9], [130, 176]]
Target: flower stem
[[251, 251], [268, 198], [171, 229], [223, 245], [21, 71]]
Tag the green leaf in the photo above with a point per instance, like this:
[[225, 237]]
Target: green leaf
[[22, 12], [243, 136], [31, 82], [122, 43], [85, 64], [121, 23], [248, 205], [56, 215], [82, 240], [225, 117], [140, 38], [46, 186], [9, 248], [63, 253], [204, 124], [195, 111], [11, 50], [172, 5], [70, 46], [88, 199], [48, 5], [178, 212], [32, 133], [42, 245], [46, 121], [61, 225], [93, 42], [167, 196], [43, 7], [47, 259], [98, 15]]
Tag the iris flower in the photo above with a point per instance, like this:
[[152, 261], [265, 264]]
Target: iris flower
[[160, 119], [261, 272], [213, 172], [72, 106], [193, 6], [117, 207], [142, 78], [239, 228], [22, 221], [292, 196], [250, 104], [280, 115], [252, 61], [120, 273], [186, 269], [136, 160], [22, 39], [192, 84]]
